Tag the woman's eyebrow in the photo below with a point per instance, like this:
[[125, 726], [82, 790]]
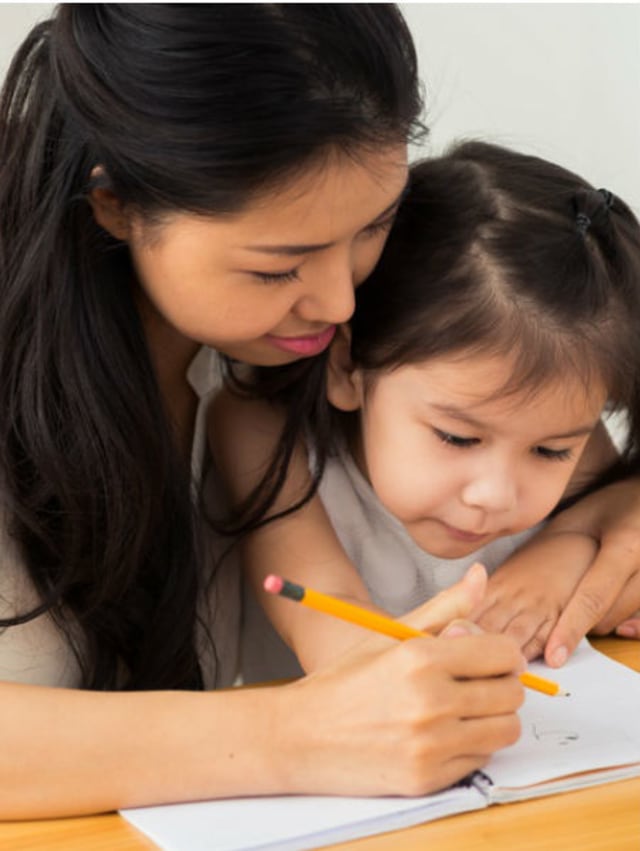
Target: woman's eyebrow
[[290, 250]]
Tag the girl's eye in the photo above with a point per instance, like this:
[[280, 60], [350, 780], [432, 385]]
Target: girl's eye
[[552, 454], [455, 440], [277, 277], [380, 227]]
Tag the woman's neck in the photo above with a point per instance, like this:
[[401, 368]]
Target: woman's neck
[[171, 353]]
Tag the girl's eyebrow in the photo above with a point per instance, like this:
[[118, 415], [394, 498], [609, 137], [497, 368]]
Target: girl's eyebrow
[[295, 250], [462, 416]]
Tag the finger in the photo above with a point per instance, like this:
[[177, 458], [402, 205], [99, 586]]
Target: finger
[[629, 628], [592, 599], [493, 733], [530, 626], [460, 627], [531, 631], [493, 618], [534, 647], [491, 697], [481, 738], [624, 607], [449, 773], [455, 602], [467, 657]]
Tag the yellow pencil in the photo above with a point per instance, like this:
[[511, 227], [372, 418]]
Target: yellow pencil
[[378, 623]]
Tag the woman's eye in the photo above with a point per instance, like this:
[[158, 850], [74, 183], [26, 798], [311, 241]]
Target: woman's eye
[[456, 440], [553, 454], [277, 277]]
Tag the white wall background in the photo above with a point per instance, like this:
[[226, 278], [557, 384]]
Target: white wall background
[[561, 80], [557, 79]]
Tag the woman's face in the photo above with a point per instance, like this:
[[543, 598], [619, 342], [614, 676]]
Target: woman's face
[[269, 284]]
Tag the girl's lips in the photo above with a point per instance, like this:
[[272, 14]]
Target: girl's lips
[[306, 346], [461, 535]]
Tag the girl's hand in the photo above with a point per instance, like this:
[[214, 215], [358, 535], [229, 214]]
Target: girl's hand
[[402, 718], [562, 585], [528, 593]]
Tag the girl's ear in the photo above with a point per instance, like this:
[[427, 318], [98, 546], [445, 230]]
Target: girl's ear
[[344, 381], [108, 210]]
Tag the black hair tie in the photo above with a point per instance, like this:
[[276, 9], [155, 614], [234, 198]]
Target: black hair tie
[[582, 223], [608, 198]]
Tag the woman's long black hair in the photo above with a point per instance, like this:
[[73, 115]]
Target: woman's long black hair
[[190, 107]]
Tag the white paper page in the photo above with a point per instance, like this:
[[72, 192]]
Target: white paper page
[[290, 823], [596, 727]]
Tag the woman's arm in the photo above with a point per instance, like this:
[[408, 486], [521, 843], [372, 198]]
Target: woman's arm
[[454, 702], [608, 595], [70, 751]]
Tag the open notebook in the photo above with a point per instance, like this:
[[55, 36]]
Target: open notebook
[[567, 743]]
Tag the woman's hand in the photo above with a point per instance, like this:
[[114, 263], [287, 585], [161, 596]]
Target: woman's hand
[[631, 627], [608, 595], [406, 717], [403, 718]]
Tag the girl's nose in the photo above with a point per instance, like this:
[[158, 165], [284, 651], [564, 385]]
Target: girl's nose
[[491, 490]]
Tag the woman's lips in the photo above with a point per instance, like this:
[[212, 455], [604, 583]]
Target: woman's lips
[[307, 346]]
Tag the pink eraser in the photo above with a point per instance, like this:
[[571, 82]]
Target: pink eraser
[[273, 584]]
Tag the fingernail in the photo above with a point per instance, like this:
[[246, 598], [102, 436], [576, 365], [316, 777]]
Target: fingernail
[[456, 630], [626, 630], [559, 657], [477, 573]]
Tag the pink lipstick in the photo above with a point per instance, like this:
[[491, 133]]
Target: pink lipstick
[[307, 346]]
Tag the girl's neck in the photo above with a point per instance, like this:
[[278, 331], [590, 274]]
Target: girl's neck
[[353, 440]]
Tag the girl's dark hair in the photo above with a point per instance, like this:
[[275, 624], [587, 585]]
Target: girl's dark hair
[[189, 107], [496, 252], [501, 253]]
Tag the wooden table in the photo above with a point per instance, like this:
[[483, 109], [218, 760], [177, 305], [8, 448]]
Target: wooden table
[[603, 818]]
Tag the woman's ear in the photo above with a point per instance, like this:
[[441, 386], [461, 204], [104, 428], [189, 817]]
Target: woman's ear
[[344, 381], [108, 210]]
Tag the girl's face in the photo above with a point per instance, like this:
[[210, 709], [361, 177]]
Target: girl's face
[[268, 285], [460, 465]]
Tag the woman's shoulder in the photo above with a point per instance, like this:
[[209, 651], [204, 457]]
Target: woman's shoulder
[[35, 651]]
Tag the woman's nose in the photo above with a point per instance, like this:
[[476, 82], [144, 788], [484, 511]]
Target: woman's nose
[[331, 295]]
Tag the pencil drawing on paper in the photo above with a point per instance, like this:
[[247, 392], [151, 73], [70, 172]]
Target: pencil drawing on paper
[[560, 736]]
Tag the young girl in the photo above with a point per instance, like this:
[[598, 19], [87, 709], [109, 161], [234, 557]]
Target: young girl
[[499, 325]]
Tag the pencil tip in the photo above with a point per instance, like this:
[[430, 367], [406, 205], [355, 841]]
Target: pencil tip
[[562, 693]]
